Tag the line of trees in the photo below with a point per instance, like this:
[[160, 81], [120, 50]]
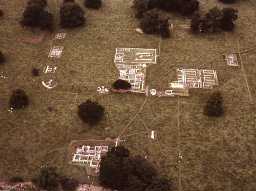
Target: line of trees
[[215, 21]]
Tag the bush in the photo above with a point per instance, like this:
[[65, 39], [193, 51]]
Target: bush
[[47, 179], [91, 112], [228, 1], [2, 58], [69, 184], [153, 22], [18, 99], [121, 85], [214, 106], [35, 72], [35, 16], [94, 4], [71, 15]]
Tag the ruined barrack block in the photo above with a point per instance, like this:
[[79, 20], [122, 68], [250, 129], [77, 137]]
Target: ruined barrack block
[[134, 74], [132, 63], [90, 156], [135, 56], [194, 78]]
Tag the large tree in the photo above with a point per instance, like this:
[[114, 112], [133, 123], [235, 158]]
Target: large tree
[[71, 15], [119, 170], [160, 184], [93, 4], [121, 85], [153, 22], [215, 20], [91, 112], [36, 16]]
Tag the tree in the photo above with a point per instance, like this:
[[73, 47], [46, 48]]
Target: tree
[[69, 184], [214, 105], [42, 3], [153, 22], [18, 99], [160, 184], [71, 15], [93, 4], [188, 7], [184, 7], [140, 6], [114, 169], [2, 58], [228, 18], [228, 1], [36, 16], [196, 22], [91, 112], [119, 170], [47, 179], [215, 20], [121, 85], [1, 13]]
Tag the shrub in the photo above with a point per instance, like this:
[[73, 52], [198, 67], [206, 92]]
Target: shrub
[[35, 16], [68, 184], [71, 15], [214, 105], [2, 58], [18, 99], [35, 72], [47, 178], [91, 112], [121, 85], [94, 4], [155, 23], [228, 1]]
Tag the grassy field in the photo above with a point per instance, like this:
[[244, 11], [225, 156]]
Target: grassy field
[[217, 154]]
